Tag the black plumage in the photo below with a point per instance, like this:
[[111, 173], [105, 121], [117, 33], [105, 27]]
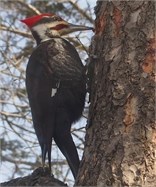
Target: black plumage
[[55, 66]]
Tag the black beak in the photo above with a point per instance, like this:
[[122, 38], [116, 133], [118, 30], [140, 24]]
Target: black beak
[[79, 27], [73, 28]]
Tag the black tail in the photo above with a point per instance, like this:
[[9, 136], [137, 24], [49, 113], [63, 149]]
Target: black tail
[[62, 137], [44, 152], [44, 134], [46, 148], [68, 148]]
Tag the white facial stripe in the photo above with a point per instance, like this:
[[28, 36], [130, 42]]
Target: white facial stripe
[[41, 28], [45, 17]]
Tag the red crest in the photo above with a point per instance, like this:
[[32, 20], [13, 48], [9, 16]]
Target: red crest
[[34, 19]]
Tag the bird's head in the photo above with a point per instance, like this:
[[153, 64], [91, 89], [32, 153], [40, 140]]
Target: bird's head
[[45, 26]]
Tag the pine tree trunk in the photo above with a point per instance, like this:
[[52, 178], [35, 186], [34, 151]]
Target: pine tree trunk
[[120, 147]]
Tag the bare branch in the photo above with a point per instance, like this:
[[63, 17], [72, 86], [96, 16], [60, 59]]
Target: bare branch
[[29, 6], [12, 160], [10, 114], [24, 34], [81, 11]]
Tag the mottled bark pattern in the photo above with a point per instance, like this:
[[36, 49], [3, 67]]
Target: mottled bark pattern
[[39, 177], [121, 140]]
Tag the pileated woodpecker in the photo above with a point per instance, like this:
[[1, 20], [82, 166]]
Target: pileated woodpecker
[[56, 85]]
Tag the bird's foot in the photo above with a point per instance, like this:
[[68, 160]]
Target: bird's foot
[[46, 170]]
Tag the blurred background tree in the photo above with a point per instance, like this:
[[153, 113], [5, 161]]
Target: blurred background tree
[[20, 151]]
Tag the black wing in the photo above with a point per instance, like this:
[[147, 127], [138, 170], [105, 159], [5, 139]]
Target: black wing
[[52, 62]]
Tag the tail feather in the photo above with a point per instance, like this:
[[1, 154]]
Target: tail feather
[[49, 157], [68, 149], [46, 148], [44, 152]]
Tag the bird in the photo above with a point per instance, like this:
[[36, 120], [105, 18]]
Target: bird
[[56, 85]]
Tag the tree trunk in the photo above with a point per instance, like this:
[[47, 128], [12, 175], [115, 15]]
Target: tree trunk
[[121, 135]]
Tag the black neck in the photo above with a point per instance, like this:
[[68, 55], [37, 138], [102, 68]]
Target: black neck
[[36, 37]]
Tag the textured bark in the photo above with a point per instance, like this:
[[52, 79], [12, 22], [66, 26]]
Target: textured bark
[[121, 135], [37, 178]]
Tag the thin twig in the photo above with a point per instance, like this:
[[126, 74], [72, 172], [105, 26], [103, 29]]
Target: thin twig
[[24, 34], [29, 6], [81, 11]]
